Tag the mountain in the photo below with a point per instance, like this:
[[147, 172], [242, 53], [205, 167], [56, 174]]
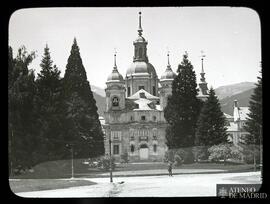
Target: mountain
[[98, 90], [232, 89], [226, 94], [99, 96], [242, 98], [101, 103]]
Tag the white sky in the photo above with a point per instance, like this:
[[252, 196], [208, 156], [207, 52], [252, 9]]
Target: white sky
[[229, 36]]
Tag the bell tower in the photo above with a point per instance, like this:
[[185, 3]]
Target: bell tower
[[115, 91], [166, 80]]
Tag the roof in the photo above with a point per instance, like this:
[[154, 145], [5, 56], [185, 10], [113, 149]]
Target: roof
[[241, 113], [228, 116], [143, 104], [102, 120], [168, 74], [115, 76], [232, 127], [141, 67], [137, 95]]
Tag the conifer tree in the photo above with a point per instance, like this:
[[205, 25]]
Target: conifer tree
[[49, 108], [254, 121], [211, 125], [21, 114], [83, 128], [183, 107]]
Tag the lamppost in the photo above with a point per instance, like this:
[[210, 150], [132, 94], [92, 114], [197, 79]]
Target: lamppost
[[72, 165], [110, 149]]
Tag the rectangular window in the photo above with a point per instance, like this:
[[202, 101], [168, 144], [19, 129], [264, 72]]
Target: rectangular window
[[115, 149], [141, 87], [154, 90], [128, 91], [116, 135]]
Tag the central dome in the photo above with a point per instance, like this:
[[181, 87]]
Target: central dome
[[141, 67]]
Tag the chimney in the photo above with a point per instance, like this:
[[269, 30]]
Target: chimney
[[235, 104], [236, 114]]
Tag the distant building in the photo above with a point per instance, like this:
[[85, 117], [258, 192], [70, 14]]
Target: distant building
[[236, 123], [134, 116]]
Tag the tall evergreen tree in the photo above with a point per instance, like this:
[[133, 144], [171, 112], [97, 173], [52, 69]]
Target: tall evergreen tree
[[49, 108], [183, 107], [21, 114], [211, 125], [254, 121], [83, 127]]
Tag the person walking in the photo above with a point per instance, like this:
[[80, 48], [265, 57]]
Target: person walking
[[170, 168]]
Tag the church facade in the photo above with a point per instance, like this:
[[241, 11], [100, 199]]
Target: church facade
[[134, 117]]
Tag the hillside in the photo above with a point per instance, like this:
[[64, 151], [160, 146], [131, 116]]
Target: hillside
[[229, 90], [100, 102], [242, 98], [98, 90]]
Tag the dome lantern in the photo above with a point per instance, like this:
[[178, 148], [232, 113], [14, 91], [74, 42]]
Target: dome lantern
[[115, 75]]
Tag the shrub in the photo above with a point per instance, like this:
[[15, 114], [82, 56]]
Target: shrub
[[102, 162], [235, 153], [124, 158], [248, 154], [219, 152], [200, 153], [183, 156], [178, 161], [224, 152]]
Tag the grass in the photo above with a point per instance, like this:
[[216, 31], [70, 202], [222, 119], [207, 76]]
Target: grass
[[26, 185], [62, 168]]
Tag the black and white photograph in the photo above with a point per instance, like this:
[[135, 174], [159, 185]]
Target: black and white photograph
[[135, 102]]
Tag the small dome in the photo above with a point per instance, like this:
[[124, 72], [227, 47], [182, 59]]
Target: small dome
[[115, 76], [168, 74], [140, 39], [141, 67]]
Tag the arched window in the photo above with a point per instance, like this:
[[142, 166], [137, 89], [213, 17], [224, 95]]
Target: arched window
[[155, 148], [115, 101], [140, 52], [132, 148]]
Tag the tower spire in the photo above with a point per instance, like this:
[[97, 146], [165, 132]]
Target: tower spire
[[202, 72], [140, 25], [115, 66], [168, 65], [168, 55]]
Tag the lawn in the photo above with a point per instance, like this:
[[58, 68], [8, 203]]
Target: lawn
[[26, 185], [62, 168]]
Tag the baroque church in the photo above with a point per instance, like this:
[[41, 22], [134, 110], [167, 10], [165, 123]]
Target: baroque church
[[134, 116]]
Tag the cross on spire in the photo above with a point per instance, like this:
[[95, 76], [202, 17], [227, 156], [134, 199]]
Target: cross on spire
[[168, 55], [115, 67], [140, 25], [202, 57]]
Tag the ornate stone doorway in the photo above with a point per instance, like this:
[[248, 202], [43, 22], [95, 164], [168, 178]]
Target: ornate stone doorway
[[144, 152]]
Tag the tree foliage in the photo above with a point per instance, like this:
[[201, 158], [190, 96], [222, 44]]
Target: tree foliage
[[211, 125], [49, 104], [254, 121], [21, 111], [49, 114], [80, 108], [183, 107]]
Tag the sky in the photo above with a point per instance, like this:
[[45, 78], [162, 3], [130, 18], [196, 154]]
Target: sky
[[229, 36]]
